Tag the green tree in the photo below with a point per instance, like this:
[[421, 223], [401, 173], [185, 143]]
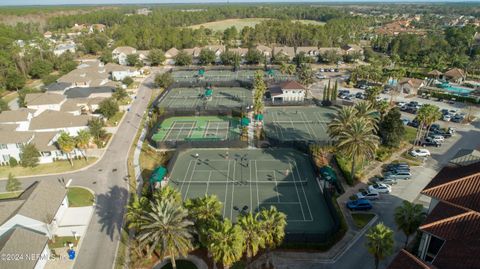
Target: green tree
[[253, 233], [29, 155], [391, 128], [205, 212], [253, 56], [226, 243], [259, 87], [305, 74], [40, 68], [12, 183], [66, 143], [228, 58], [82, 141], [330, 56], [133, 60], [163, 80], [156, 57], [372, 93], [342, 120], [380, 242], [95, 127], [14, 80], [108, 107], [167, 229], [183, 58], [138, 206], [127, 81], [22, 94], [13, 162], [334, 91], [206, 57], [168, 193], [301, 58], [120, 93], [358, 142], [3, 105], [273, 224], [408, 218], [106, 56]]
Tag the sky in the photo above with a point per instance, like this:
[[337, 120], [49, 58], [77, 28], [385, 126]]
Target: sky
[[96, 2]]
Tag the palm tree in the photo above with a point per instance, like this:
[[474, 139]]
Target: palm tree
[[273, 223], [166, 228], [341, 121], [253, 233], [366, 110], [135, 209], [226, 243], [408, 218], [433, 115], [66, 143], [82, 140], [283, 68], [205, 212], [168, 193], [380, 242], [358, 142]]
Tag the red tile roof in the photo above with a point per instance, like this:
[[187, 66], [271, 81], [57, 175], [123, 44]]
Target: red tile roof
[[405, 260], [442, 211], [459, 254], [463, 226], [291, 85]]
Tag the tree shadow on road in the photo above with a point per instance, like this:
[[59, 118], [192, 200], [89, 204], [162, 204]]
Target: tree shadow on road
[[110, 208]]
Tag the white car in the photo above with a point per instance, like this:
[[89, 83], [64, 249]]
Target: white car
[[447, 117], [400, 104], [370, 195], [438, 138], [420, 153], [380, 188]]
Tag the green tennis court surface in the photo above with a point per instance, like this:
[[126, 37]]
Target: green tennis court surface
[[298, 123], [197, 128], [224, 75], [234, 97], [248, 180]]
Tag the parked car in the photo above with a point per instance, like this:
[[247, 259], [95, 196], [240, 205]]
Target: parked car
[[414, 123], [457, 118], [321, 76], [390, 166], [438, 138], [359, 95], [336, 70], [359, 204], [400, 104], [332, 70], [430, 142], [380, 188], [321, 70], [420, 153], [447, 117], [370, 195], [389, 180], [398, 175], [405, 121]]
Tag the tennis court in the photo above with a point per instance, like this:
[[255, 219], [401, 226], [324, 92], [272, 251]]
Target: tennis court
[[224, 75], [251, 179], [197, 128], [234, 97], [298, 123]]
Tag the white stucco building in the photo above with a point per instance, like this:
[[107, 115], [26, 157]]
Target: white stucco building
[[288, 91], [120, 54]]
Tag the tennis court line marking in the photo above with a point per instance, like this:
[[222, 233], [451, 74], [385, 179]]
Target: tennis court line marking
[[303, 189], [322, 123], [256, 180], [233, 192], [208, 182], [276, 185], [250, 183], [298, 196], [307, 125], [185, 177], [191, 177], [282, 203], [226, 191]]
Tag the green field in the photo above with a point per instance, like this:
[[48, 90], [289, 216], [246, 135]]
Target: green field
[[198, 128], [249, 180], [241, 23], [78, 197]]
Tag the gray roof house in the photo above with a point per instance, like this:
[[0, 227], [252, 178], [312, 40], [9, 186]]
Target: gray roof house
[[89, 92]]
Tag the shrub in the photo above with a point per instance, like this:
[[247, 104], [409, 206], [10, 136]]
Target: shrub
[[13, 162]]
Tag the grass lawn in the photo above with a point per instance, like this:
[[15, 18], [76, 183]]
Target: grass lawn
[[48, 168], [78, 197], [410, 134], [60, 242], [181, 264], [241, 23], [115, 119], [10, 194], [312, 22], [362, 219]]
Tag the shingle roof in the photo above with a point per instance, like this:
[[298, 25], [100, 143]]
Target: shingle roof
[[466, 157], [405, 260], [80, 92], [289, 51], [8, 208], [291, 85], [15, 115], [457, 185], [435, 73], [43, 202], [37, 99], [13, 137], [455, 73], [50, 119], [414, 82], [23, 242], [43, 141], [171, 52], [126, 50], [57, 87]]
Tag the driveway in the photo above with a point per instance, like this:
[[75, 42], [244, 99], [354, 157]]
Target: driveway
[[107, 178]]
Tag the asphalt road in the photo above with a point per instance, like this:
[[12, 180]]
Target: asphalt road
[[107, 179]]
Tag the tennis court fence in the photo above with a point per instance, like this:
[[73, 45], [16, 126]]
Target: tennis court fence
[[241, 182]]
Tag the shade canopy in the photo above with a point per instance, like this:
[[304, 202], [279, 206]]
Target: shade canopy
[[158, 174], [245, 121], [328, 174], [259, 117], [208, 92]]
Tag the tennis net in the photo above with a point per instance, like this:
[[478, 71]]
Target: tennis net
[[296, 121], [241, 182]]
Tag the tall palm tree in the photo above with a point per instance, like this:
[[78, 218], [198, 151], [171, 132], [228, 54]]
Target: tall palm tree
[[380, 242], [367, 110], [358, 142], [166, 228], [433, 115], [82, 140], [168, 193], [253, 233], [408, 218], [135, 209], [274, 223], [226, 243], [66, 143], [205, 212], [341, 121]]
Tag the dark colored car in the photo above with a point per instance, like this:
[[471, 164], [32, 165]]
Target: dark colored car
[[414, 123], [360, 204], [429, 142]]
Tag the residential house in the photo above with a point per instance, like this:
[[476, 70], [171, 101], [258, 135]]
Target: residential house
[[266, 51], [97, 28], [87, 74], [435, 74], [170, 56], [11, 143], [44, 101], [31, 245], [64, 48], [58, 121], [450, 234], [217, 49], [410, 86], [120, 54], [143, 56], [351, 49], [288, 91], [143, 11], [312, 52], [242, 52], [79, 106], [286, 51], [57, 87], [119, 72], [90, 92], [195, 53], [18, 120], [455, 75], [465, 157]]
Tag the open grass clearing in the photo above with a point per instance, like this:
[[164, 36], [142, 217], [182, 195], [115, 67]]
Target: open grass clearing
[[115, 120], [48, 168], [78, 197], [10, 194], [62, 241], [242, 23], [362, 219]]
